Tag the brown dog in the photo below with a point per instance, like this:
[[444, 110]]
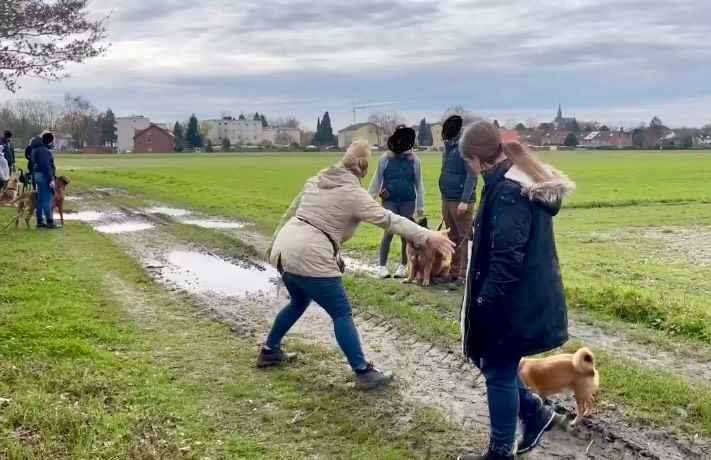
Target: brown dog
[[555, 374], [9, 193], [424, 263], [28, 202]]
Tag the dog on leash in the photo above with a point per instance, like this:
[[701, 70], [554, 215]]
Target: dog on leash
[[424, 263], [27, 203], [555, 374], [9, 193]]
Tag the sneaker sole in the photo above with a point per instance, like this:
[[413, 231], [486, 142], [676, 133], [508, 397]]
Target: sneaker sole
[[547, 427]]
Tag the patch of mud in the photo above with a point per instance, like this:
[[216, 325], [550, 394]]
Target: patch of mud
[[360, 268], [691, 244], [124, 227], [74, 198], [168, 211], [214, 223], [201, 273], [647, 354]]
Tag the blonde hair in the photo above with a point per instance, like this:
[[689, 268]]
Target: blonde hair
[[483, 141], [356, 158]]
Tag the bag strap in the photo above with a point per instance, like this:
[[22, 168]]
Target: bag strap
[[333, 242]]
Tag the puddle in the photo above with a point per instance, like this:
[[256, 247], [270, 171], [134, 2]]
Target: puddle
[[172, 212], [124, 227], [213, 224], [358, 267], [83, 216], [207, 274], [73, 198]]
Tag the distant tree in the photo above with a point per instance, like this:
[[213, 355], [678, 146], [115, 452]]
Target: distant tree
[[241, 116], [638, 138], [179, 135], [571, 140], [467, 116], [520, 127], [424, 136], [687, 142], [39, 38], [496, 123], [546, 126], [209, 148], [574, 126], [324, 134], [108, 128], [389, 121], [289, 121], [226, 144], [256, 117], [604, 128], [531, 123], [656, 122], [192, 134]]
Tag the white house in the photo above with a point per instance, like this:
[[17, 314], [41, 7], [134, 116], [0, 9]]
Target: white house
[[237, 131], [278, 135], [126, 128]]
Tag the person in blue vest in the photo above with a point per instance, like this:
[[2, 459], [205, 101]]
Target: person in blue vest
[[457, 184], [398, 181], [44, 172]]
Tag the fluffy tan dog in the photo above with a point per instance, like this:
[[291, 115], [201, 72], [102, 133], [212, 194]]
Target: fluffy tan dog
[[556, 374], [9, 193], [424, 263]]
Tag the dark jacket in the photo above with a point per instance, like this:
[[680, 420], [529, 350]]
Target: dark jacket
[[9, 151], [514, 304], [457, 182], [399, 179], [42, 159]]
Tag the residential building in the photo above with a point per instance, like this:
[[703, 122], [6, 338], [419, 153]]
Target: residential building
[[153, 139], [277, 135], [607, 139], [371, 132], [554, 137], [702, 141], [247, 132], [509, 135], [126, 129]]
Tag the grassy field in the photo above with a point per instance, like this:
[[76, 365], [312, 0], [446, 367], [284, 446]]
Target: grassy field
[[101, 363], [601, 233]]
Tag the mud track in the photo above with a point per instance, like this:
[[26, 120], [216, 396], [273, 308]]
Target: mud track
[[426, 374]]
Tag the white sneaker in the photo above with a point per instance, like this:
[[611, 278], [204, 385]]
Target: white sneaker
[[401, 272], [383, 273]]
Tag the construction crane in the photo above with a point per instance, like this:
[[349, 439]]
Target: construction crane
[[369, 105]]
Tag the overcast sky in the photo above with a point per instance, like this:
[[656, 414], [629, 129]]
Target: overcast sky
[[617, 61]]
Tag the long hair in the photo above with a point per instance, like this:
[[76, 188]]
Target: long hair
[[483, 141]]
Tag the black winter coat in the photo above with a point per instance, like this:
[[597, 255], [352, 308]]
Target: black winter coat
[[514, 304]]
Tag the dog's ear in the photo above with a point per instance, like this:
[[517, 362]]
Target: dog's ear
[[423, 222], [64, 180]]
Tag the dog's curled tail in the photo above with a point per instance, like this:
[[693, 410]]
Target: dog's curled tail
[[584, 361]]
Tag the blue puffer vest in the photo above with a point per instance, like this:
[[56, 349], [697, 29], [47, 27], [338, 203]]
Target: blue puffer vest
[[454, 172], [399, 179]]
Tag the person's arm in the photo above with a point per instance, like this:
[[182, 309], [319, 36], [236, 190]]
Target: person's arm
[[510, 231], [420, 186], [290, 212], [368, 210], [42, 163], [376, 184], [469, 185]]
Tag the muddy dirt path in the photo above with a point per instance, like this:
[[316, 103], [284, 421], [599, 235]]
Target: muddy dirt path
[[246, 295]]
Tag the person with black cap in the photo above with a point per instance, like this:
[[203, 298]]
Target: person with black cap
[[457, 184], [8, 150], [398, 181], [44, 171]]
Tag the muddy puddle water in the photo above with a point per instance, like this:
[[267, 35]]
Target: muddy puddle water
[[83, 216], [213, 223], [201, 273], [124, 227], [172, 212]]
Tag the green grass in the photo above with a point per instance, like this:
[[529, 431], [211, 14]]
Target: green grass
[[99, 362]]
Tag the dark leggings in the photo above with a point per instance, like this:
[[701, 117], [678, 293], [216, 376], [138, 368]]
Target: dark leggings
[[401, 208]]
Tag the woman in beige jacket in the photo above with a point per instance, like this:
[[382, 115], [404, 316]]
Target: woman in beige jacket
[[306, 251]]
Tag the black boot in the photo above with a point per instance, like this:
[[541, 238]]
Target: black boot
[[268, 358], [535, 425], [489, 455]]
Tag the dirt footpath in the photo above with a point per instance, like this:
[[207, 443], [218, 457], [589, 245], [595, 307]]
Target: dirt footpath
[[247, 295]]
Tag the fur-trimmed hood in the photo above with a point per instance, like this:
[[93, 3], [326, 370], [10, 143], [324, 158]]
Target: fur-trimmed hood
[[549, 194]]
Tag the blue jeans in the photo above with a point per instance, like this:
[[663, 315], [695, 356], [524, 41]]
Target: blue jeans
[[401, 208], [331, 296], [44, 199], [508, 399]]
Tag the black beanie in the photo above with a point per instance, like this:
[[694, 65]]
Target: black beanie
[[47, 138]]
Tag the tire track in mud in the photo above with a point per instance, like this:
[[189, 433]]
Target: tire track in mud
[[426, 374]]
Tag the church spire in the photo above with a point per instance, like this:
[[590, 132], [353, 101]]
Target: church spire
[[560, 111]]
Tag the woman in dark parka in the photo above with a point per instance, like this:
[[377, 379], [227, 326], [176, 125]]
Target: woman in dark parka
[[514, 304]]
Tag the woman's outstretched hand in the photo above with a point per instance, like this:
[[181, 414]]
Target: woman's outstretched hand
[[441, 243]]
